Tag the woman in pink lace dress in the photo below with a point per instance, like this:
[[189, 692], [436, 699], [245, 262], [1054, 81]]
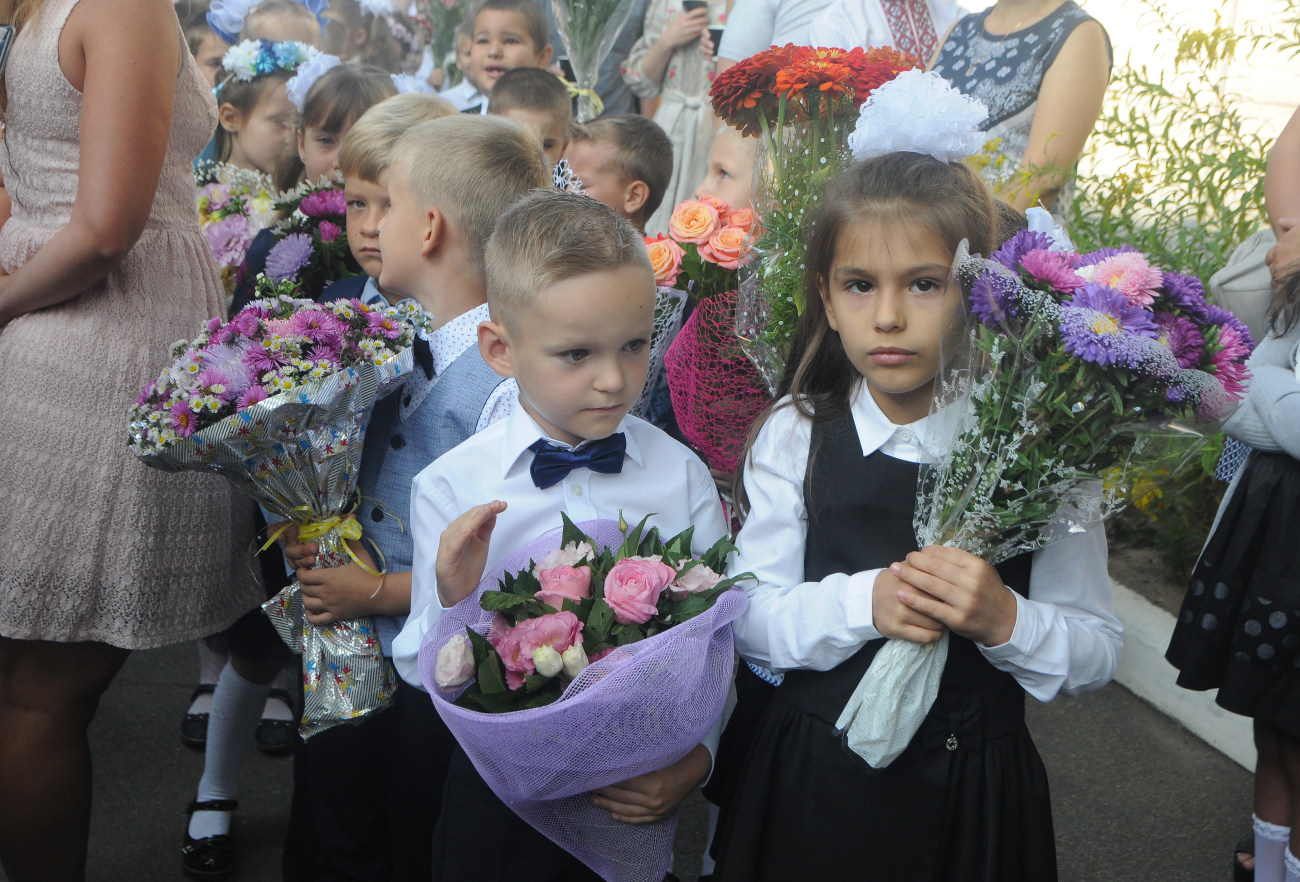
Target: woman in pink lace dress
[[103, 267]]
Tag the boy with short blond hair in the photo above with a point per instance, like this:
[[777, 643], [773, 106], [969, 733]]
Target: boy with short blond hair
[[625, 162], [507, 34], [431, 250], [363, 161], [538, 99], [572, 298]]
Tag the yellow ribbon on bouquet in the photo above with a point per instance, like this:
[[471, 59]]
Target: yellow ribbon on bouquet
[[590, 94], [346, 525]]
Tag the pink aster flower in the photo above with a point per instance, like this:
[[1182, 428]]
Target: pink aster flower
[[229, 239], [250, 396], [379, 324], [318, 326], [1052, 268], [1230, 362], [216, 382], [323, 203], [328, 231], [1129, 273], [183, 419], [1182, 337]]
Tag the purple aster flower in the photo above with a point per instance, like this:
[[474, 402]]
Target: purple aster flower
[[259, 360], [251, 396], [1052, 268], [323, 203], [1183, 338], [1187, 294], [229, 239], [318, 326], [1015, 248], [1094, 257], [216, 383], [1224, 318], [1151, 358], [288, 257], [993, 297], [1098, 323], [183, 419]]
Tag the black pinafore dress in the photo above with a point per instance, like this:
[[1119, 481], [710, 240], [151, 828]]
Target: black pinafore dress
[[967, 801]]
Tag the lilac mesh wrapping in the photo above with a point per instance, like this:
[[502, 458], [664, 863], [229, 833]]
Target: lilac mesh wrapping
[[639, 709], [716, 390]]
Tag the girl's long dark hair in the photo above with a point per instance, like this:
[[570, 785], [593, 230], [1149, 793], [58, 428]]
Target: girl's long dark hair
[[947, 199], [1284, 307]]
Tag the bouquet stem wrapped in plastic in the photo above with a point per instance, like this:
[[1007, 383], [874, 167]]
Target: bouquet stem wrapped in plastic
[[640, 708], [589, 29], [1059, 369]]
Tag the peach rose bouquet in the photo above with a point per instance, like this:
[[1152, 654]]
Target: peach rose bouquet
[[594, 654], [706, 244]]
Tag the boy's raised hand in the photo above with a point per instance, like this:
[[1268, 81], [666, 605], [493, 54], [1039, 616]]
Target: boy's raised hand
[[654, 796], [898, 620], [960, 590], [462, 552]]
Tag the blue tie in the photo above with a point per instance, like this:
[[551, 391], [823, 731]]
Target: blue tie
[[551, 463]]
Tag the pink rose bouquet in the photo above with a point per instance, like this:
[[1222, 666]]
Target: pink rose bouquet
[[706, 243], [609, 659]]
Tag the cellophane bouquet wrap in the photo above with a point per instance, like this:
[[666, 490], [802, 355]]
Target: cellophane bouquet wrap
[[588, 29], [653, 403], [276, 401], [802, 102], [1064, 368], [584, 670]]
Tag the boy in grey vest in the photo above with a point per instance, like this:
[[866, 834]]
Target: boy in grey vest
[[431, 243]]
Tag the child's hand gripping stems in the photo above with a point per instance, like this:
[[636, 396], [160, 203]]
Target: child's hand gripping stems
[[937, 586]]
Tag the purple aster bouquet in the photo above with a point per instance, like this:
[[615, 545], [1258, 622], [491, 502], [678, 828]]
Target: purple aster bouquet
[[277, 401], [234, 204], [311, 248], [1065, 368]]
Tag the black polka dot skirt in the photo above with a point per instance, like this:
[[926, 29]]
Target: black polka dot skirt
[[1238, 630]]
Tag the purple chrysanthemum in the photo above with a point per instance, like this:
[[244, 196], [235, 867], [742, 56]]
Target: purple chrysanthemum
[[1187, 294], [317, 326], [1052, 268], [1182, 337], [1011, 251], [993, 298], [288, 257], [1098, 323], [324, 203]]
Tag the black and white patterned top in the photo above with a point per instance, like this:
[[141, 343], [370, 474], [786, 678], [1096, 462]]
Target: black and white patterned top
[[1005, 72]]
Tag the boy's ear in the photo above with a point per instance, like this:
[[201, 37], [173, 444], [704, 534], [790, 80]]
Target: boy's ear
[[635, 195], [544, 57], [434, 232], [494, 346], [229, 117]]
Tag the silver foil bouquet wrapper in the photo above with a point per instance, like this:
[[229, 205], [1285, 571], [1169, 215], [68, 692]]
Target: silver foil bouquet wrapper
[[298, 454]]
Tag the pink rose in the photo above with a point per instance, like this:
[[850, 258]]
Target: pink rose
[[564, 583], [741, 217], [516, 645], [697, 578], [455, 664], [665, 258], [632, 589], [597, 656], [721, 207], [693, 222], [726, 248]]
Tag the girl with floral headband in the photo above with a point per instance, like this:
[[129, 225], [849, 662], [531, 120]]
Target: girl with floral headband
[[830, 480], [256, 116]]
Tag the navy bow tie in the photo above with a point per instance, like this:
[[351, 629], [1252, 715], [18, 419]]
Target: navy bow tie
[[552, 464]]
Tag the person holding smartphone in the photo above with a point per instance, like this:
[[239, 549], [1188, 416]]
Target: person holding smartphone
[[671, 62]]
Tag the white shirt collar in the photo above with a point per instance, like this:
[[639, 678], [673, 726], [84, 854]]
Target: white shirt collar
[[450, 341], [930, 436], [522, 431]]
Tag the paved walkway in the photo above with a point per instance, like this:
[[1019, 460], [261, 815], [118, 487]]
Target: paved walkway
[[1135, 796]]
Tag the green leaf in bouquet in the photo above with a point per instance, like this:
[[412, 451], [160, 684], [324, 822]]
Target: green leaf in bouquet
[[599, 622], [627, 634], [632, 538], [571, 533], [500, 601], [651, 544], [541, 699], [482, 649], [679, 547], [716, 557], [536, 682], [490, 678], [580, 608], [475, 698]]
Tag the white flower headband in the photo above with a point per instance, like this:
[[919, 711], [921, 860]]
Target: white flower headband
[[307, 75], [254, 58], [919, 113]]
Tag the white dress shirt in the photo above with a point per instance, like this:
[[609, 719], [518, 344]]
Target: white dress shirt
[[660, 477], [848, 24], [447, 344], [1066, 637]]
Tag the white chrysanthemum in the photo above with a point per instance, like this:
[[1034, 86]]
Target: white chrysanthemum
[[241, 59], [309, 71], [919, 113]]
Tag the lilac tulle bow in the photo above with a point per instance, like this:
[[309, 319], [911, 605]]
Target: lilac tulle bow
[[640, 708]]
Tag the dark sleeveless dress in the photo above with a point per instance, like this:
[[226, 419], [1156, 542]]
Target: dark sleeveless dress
[[967, 799]]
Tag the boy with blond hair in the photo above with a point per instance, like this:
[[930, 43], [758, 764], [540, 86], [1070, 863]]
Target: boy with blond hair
[[431, 249], [506, 34], [537, 98], [363, 161], [625, 162], [572, 298]]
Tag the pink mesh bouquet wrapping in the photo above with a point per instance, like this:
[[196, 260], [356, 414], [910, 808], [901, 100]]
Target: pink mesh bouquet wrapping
[[640, 706]]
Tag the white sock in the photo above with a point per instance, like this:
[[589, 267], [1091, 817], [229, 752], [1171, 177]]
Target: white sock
[[210, 665], [276, 708], [236, 708], [1270, 851], [1292, 867]]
